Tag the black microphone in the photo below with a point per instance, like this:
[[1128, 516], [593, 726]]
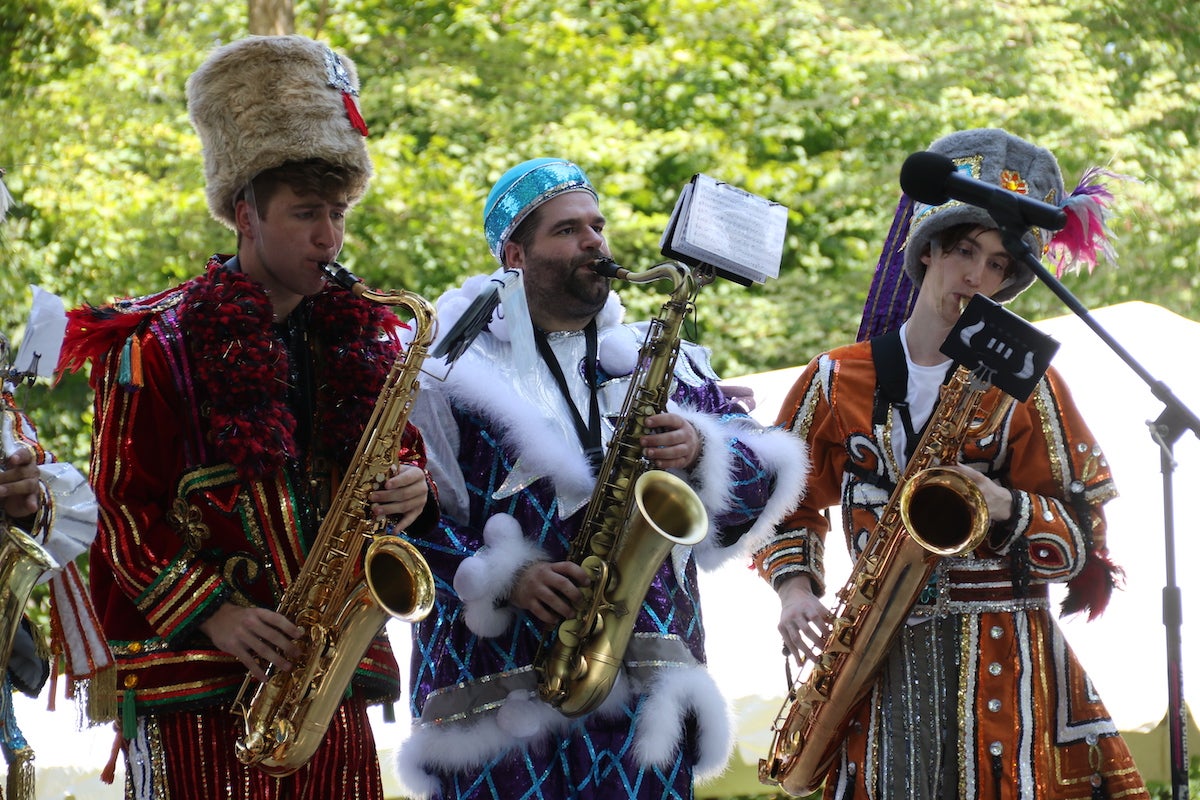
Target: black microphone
[[931, 178]]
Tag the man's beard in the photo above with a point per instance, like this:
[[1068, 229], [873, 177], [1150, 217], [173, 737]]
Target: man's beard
[[580, 295]]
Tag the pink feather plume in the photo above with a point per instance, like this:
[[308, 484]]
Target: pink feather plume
[[1086, 235]]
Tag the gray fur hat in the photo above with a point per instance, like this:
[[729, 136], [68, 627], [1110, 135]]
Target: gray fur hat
[[263, 101], [997, 157]]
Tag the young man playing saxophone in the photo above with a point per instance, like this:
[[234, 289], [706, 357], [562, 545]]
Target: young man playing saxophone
[[979, 696], [225, 409], [509, 439]]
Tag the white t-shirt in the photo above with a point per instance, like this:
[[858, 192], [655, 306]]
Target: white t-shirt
[[924, 384]]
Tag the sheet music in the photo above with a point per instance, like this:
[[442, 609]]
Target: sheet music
[[731, 229]]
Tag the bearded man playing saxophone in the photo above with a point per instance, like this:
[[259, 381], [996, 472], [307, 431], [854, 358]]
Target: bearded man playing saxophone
[[514, 478]]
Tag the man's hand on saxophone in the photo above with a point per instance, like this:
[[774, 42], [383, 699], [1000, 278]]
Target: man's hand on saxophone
[[549, 590], [675, 443], [257, 637], [20, 487], [261, 637], [804, 621], [402, 497]]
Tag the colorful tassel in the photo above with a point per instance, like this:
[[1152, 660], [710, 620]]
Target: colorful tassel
[[128, 715], [129, 370], [101, 695], [76, 636], [1092, 588]]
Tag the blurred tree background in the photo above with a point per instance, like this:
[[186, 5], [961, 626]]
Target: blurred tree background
[[812, 103]]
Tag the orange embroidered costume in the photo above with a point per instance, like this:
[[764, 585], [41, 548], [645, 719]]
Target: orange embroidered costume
[[980, 695]]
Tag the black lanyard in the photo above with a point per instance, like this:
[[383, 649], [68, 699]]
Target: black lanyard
[[891, 387], [589, 434]]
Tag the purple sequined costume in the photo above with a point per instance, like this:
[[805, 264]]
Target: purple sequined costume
[[514, 484]]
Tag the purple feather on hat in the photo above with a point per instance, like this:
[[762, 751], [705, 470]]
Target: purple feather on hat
[[892, 294]]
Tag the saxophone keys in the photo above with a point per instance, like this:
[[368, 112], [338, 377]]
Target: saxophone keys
[[822, 685], [595, 567], [843, 636], [568, 632], [282, 732]]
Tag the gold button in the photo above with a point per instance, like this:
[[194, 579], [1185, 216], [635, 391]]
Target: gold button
[[131, 681], [135, 647]]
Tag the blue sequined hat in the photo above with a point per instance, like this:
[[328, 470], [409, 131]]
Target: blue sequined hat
[[522, 189]]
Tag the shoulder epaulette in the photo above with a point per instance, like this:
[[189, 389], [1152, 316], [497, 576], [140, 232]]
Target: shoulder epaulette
[[94, 330]]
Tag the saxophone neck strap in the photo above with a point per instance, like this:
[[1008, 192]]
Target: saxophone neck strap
[[589, 434], [891, 385]]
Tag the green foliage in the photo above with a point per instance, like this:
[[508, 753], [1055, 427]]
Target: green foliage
[[813, 104], [1166, 791]]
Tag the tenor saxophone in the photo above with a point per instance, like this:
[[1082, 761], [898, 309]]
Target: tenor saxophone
[[935, 512], [633, 519], [341, 597]]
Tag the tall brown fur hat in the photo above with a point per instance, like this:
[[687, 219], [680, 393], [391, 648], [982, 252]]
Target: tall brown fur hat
[[263, 101]]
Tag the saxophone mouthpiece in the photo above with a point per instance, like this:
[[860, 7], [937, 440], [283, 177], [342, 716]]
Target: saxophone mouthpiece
[[608, 268], [343, 277]]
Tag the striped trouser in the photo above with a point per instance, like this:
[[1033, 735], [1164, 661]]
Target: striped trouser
[[185, 755]]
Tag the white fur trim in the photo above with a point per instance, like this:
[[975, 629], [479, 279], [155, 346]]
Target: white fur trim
[[415, 781], [524, 721], [464, 748], [785, 455], [711, 474], [525, 717], [672, 695], [541, 446], [484, 580]]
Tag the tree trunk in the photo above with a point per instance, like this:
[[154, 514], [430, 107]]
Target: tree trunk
[[272, 17]]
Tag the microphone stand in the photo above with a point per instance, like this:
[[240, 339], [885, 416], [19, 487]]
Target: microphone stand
[[1165, 431]]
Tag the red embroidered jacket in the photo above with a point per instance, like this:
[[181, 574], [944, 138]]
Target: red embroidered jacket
[[204, 497]]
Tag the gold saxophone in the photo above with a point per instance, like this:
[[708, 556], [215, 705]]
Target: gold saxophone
[[934, 512], [23, 560], [634, 518], [341, 598]]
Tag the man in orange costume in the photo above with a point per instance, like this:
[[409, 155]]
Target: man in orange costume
[[979, 696]]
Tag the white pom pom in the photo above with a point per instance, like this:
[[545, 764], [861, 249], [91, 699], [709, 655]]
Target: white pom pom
[[471, 580], [520, 715], [499, 326], [618, 351], [484, 620]]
